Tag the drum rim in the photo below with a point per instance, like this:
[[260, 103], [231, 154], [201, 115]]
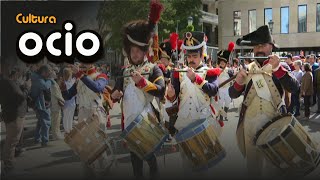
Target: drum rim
[[186, 130], [256, 137], [212, 162]]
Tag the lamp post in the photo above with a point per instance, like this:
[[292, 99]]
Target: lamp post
[[190, 21], [271, 25], [190, 26]]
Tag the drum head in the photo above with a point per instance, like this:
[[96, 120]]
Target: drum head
[[273, 130]]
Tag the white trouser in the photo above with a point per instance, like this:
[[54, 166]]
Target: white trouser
[[257, 163], [68, 113], [55, 123], [224, 98]]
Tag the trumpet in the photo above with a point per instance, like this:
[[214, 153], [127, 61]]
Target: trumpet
[[257, 57]]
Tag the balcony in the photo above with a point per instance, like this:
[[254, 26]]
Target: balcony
[[209, 18]]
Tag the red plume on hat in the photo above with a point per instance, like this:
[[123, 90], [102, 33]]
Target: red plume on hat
[[180, 42], [155, 10], [226, 55], [231, 46], [174, 40]]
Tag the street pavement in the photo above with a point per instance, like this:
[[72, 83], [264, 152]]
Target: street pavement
[[58, 161]]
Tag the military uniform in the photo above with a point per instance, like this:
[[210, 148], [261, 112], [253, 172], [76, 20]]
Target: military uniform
[[89, 89], [263, 101], [137, 97], [194, 98], [224, 99], [169, 49]]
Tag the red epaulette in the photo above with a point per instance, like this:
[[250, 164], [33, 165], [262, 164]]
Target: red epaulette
[[214, 72], [162, 67], [102, 75], [176, 74]]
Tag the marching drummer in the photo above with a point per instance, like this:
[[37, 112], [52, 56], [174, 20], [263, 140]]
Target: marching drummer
[[224, 98], [194, 87], [146, 82], [264, 83], [168, 52], [88, 87]]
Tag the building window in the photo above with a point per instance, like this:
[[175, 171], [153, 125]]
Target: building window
[[302, 18], [267, 15], [284, 13], [205, 7], [318, 17], [252, 20], [237, 23]]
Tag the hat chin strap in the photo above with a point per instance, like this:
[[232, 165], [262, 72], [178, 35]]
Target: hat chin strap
[[136, 42], [194, 47]]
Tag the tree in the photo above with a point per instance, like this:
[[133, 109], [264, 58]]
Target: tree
[[114, 14]]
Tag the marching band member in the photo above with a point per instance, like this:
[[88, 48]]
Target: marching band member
[[263, 98], [88, 87], [193, 89], [167, 50], [235, 67], [146, 81], [69, 105], [224, 98]]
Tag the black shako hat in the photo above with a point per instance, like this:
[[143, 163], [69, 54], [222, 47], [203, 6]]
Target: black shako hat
[[194, 41], [260, 36], [224, 55]]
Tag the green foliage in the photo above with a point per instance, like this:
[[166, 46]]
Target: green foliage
[[115, 14]]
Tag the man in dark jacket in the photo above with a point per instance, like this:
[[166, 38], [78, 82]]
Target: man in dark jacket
[[40, 93], [13, 105]]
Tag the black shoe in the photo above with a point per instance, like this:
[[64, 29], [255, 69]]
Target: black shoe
[[318, 111], [19, 151], [44, 144]]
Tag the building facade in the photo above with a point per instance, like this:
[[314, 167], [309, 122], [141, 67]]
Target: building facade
[[295, 25], [209, 21]]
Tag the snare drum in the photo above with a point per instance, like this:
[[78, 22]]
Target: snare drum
[[200, 144], [144, 135], [288, 145], [90, 143]]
